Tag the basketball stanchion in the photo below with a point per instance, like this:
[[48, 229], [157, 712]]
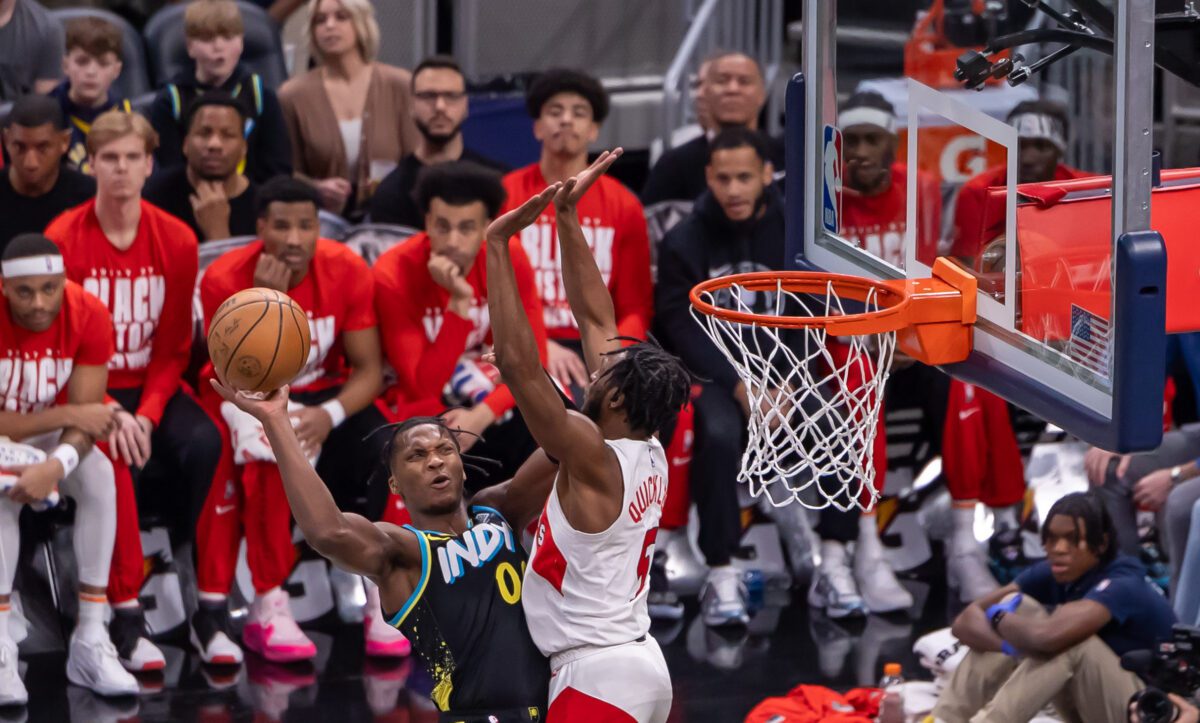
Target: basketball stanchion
[[814, 351]]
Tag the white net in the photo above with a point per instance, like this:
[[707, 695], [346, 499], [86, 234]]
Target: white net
[[814, 399]]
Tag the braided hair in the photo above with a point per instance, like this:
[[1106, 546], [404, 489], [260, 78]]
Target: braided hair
[[1099, 532], [471, 463], [653, 383]]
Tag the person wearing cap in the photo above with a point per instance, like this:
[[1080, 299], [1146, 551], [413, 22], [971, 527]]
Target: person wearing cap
[[37, 186], [1042, 129], [55, 343]]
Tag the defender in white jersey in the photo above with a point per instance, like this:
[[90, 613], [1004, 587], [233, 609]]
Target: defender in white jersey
[[586, 585]]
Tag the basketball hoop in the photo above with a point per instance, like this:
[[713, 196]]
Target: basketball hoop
[[814, 351]]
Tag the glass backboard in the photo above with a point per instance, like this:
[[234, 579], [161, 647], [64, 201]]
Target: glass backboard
[[1012, 179]]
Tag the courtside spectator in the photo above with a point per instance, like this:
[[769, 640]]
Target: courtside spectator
[[568, 107], [141, 263], [736, 227], [37, 186], [350, 118], [1043, 130], [431, 297], [439, 107], [56, 341], [208, 193], [1056, 634], [31, 45], [333, 411], [92, 63], [215, 38], [732, 94]]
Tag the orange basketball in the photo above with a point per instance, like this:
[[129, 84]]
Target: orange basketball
[[258, 340]]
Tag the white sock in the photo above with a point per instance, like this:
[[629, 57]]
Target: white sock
[[832, 553], [91, 616], [1006, 518], [5, 614], [963, 538], [868, 537], [373, 608], [126, 605]]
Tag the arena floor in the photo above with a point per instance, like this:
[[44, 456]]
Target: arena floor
[[718, 676]]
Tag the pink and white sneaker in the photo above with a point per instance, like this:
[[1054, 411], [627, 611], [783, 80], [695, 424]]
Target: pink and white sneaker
[[272, 632], [383, 641]]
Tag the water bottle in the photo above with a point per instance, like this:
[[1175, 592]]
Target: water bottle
[[891, 710]]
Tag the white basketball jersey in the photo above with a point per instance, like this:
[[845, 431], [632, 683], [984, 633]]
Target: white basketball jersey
[[590, 589]]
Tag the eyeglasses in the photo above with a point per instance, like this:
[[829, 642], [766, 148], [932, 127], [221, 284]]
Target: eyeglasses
[[431, 96]]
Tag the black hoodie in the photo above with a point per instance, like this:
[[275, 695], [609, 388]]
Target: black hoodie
[[268, 150], [702, 246]]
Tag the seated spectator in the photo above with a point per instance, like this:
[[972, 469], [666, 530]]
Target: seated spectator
[[1043, 130], [431, 295], [208, 193], [737, 226], [568, 107], [141, 263], [37, 186], [732, 94], [439, 108], [214, 43], [1056, 634], [350, 118], [31, 43], [333, 411], [47, 318], [92, 63], [974, 434], [279, 10]]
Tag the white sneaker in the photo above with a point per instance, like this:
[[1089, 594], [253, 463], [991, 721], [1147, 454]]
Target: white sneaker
[[94, 664], [209, 632], [881, 591], [382, 640], [833, 588], [967, 571], [12, 690], [723, 599]]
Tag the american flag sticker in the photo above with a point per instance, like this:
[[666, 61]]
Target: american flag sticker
[[1091, 340]]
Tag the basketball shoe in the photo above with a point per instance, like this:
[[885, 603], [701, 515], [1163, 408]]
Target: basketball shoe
[[12, 689], [210, 633], [382, 640], [92, 662], [881, 591], [272, 632], [833, 588], [128, 632], [723, 599]]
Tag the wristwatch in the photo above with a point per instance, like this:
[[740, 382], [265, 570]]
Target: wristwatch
[[1176, 474]]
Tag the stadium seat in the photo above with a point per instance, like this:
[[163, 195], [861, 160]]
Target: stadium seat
[[167, 50], [134, 79]]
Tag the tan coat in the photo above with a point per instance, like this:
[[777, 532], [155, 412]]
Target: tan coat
[[388, 131]]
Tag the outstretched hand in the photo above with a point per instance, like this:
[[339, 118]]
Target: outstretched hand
[[259, 407], [574, 188], [511, 223]]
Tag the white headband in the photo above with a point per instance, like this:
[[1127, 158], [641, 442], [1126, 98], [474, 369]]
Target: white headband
[[1041, 126], [865, 115], [31, 266]]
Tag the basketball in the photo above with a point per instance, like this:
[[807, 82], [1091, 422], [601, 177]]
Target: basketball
[[258, 340]]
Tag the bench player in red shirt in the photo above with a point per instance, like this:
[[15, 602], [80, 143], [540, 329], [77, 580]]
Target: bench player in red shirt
[[55, 344], [333, 399], [431, 299], [567, 108], [141, 263]]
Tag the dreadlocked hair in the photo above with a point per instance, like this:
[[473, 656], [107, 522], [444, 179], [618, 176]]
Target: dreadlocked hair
[[1100, 534], [471, 462], [653, 383]]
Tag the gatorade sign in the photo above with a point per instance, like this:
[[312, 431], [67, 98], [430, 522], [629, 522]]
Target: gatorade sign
[[831, 183]]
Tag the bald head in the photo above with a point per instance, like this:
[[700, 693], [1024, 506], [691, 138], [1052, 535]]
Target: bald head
[[733, 89]]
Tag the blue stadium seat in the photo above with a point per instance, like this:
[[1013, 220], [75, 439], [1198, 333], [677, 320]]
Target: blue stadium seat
[[166, 46], [134, 79]]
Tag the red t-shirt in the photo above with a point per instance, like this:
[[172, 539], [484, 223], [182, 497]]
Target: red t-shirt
[[877, 223], [614, 225], [36, 366], [974, 222], [423, 341], [337, 294], [148, 291]]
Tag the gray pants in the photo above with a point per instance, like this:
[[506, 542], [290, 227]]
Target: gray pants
[[1086, 684], [1179, 446]]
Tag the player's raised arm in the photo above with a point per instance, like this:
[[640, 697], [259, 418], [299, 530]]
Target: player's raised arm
[[567, 436], [586, 291], [350, 541]]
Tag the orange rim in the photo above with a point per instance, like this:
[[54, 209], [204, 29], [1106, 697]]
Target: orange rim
[[893, 296]]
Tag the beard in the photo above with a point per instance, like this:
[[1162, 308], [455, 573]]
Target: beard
[[438, 139]]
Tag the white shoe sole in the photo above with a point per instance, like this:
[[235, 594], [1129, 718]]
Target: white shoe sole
[[206, 656], [14, 701], [832, 611]]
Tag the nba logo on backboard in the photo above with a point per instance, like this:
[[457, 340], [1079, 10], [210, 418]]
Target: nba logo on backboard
[[831, 195]]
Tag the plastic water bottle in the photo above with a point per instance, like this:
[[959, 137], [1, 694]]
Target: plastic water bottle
[[891, 710]]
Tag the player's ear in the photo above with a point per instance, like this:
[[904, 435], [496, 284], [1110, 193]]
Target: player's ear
[[394, 487], [768, 172]]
